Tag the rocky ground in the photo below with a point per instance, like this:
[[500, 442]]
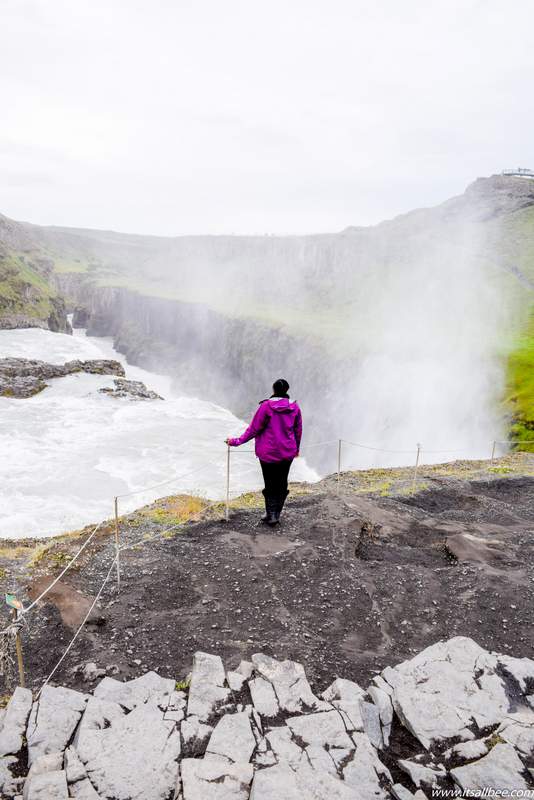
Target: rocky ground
[[453, 717], [356, 577], [361, 576]]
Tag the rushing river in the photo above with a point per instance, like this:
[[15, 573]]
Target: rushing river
[[66, 452]]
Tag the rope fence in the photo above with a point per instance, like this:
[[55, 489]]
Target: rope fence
[[80, 628], [10, 637], [43, 594]]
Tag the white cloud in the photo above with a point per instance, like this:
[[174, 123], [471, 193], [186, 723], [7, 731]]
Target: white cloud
[[207, 116]]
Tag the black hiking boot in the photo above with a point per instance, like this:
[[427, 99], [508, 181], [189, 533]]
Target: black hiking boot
[[271, 508], [280, 500]]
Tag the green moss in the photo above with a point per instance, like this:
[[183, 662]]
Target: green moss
[[494, 740], [520, 389]]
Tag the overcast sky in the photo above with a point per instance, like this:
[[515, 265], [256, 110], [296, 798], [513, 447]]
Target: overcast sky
[[222, 116]]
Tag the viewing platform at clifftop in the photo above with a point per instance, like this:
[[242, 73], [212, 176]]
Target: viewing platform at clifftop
[[520, 172]]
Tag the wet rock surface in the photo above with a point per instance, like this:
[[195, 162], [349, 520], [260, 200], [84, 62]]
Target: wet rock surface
[[457, 698], [134, 390], [23, 377]]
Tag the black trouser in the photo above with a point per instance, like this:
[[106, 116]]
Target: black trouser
[[275, 474]]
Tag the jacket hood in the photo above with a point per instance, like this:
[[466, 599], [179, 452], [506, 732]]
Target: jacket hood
[[282, 405]]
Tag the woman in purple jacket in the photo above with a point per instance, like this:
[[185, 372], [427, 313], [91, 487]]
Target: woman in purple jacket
[[277, 428]]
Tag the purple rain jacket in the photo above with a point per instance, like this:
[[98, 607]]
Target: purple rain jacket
[[277, 428]]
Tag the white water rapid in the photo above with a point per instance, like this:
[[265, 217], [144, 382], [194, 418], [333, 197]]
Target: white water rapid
[[66, 452]]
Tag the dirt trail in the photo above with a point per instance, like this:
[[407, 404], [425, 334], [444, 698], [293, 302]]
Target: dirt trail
[[349, 583]]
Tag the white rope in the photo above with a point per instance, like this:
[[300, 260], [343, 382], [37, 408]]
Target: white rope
[[63, 571], [71, 643], [378, 449], [515, 441], [239, 450], [462, 450], [318, 444], [170, 480], [159, 534]]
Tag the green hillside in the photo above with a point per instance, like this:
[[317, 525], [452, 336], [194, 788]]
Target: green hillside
[[520, 388], [26, 292], [514, 247]]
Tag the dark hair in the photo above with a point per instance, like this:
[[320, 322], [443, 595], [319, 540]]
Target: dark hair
[[280, 388]]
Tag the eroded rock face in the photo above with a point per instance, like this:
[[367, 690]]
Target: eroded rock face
[[24, 377], [453, 717]]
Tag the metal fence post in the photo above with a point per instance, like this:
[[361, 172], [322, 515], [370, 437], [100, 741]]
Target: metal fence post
[[338, 461], [18, 646], [416, 466], [227, 515], [493, 450], [117, 549]]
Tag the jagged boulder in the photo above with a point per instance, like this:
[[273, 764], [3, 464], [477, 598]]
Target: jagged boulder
[[133, 390], [445, 690]]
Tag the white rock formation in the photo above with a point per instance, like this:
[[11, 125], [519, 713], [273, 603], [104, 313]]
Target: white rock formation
[[261, 733], [14, 722], [443, 690], [53, 720], [289, 682], [207, 690], [215, 779], [500, 769]]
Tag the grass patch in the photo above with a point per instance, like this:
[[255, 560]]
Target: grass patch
[[38, 556], [176, 510], [50, 555], [183, 686], [16, 551]]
